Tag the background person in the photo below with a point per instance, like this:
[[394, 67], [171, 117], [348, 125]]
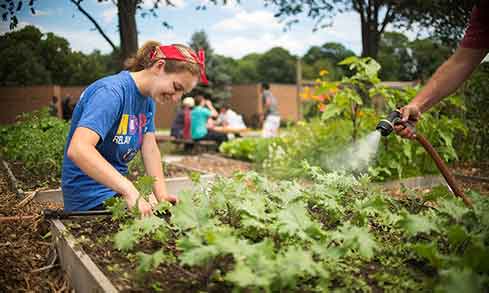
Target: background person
[[230, 119], [53, 106], [67, 107], [182, 124], [271, 114], [114, 119], [451, 74], [201, 126]]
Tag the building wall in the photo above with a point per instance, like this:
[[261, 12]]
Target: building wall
[[245, 99], [165, 114], [286, 95], [17, 100]]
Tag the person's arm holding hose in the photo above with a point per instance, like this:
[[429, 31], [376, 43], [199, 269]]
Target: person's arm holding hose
[[453, 72]]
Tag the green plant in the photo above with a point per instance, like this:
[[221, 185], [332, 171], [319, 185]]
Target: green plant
[[37, 140], [336, 234], [352, 113]]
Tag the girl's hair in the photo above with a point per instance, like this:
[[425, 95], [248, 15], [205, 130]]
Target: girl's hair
[[142, 60]]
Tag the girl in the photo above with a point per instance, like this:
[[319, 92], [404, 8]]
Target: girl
[[114, 119]]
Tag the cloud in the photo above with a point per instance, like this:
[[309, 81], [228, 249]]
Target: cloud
[[259, 31], [109, 14], [243, 20], [239, 46], [5, 27]]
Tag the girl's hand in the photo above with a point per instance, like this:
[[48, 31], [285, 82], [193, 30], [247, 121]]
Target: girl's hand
[[143, 206], [153, 200]]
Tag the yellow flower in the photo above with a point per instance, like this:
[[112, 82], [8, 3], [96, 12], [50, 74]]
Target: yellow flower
[[360, 114], [306, 93], [318, 80], [323, 72]]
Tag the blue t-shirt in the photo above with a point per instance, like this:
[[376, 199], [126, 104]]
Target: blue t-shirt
[[200, 115], [114, 108]]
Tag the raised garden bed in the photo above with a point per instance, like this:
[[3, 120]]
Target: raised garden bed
[[177, 178], [368, 242]]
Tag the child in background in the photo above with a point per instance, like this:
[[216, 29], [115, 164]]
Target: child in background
[[182, 124]]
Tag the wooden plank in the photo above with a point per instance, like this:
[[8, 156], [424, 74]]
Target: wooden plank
[[173, 186], [84, 276]]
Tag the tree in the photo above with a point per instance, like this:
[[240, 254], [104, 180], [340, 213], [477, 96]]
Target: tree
[[219, 87], [326, 57], [10, 8], [30, 57], [126, 11], [426, 55], [332, 51], [21, 62], [247, 69], [277, 65], [394, 57], [375, 15]]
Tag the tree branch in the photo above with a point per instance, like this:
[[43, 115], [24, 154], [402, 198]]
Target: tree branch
[[97, 26], [358, 5], [387, 19]]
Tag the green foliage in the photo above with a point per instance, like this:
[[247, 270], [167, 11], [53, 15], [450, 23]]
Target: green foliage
[[277, 65], [248, 149], [352, 113], [31, 57], [37, 140], [335, 234], [474, 92], [219, 79]]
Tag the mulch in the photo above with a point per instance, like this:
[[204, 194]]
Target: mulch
[[26, 246]]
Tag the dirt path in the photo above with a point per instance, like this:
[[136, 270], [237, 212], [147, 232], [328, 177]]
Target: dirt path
[[216, 164]]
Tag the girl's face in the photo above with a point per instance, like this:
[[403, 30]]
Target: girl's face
[[170, 87]]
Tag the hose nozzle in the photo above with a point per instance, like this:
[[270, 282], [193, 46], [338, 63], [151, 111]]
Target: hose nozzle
[[386, 126]]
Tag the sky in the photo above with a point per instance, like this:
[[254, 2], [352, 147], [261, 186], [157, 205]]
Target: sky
[[234, 30]]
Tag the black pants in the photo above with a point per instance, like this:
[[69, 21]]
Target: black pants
[[215, 136]]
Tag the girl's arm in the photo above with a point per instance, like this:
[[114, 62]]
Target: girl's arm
[[152, 163], [83, 153]]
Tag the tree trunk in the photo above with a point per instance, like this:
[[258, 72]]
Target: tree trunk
[[370, 39], [127, 28], [369, 19]]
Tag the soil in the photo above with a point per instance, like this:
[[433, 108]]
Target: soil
[[473, 169], [29, 181], [216, 164], [121, 267], [25, 245]]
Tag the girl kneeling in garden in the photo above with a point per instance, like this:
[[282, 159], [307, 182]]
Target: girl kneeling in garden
[[114, 119]]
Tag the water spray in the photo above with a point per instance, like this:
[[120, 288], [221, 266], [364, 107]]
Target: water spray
[[386, 126]]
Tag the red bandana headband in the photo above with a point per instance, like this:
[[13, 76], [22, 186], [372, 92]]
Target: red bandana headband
[[182, 54]]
